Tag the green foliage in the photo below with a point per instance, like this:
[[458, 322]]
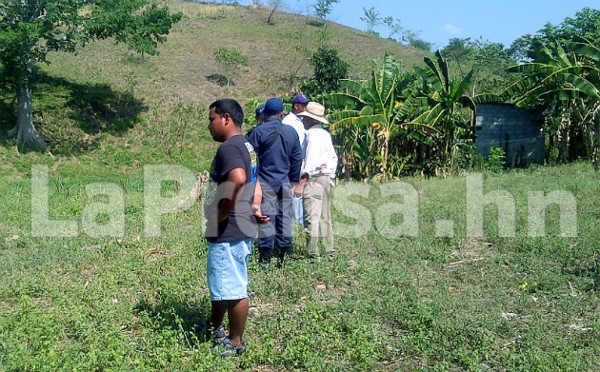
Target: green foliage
[[372, 17], [373, 111], [563, 81], [324, 7], [585, 24], [445, 100], [412, 39], [31, 29], [329, 70], [496, 160], [488, 60], [230, 60], [250, 113]]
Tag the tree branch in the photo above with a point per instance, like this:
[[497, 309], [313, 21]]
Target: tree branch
[[39, 10]]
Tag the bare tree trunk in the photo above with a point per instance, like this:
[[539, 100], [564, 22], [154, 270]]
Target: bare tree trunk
[[24, 132], [564, 137], [269, 21], [593, 127]]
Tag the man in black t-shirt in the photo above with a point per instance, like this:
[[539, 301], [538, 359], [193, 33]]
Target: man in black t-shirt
[[231, 216]]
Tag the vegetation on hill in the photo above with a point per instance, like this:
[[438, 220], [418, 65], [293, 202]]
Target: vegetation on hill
[[104, 91], [399, 123], [29, 30]]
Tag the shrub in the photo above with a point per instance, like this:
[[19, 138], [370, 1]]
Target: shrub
[[496, 159], [329, 69], [230, 59]]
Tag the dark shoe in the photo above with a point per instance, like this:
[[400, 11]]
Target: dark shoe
[[226, 348], [215, 335], [280, 262]]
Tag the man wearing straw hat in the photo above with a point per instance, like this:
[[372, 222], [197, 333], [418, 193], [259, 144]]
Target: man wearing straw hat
[[318, 172]]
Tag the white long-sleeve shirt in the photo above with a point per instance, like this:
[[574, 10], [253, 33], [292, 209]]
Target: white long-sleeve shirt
[[292, 120], [319, 155]]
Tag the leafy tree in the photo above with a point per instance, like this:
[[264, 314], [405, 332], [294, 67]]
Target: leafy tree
[[372, 17], [394, 25], [585, 23], [488, 60], [230, 59], [375, 106], [30, 29], [329, 70], [445, 97], [520, 47], [324, 7], [412, 39]]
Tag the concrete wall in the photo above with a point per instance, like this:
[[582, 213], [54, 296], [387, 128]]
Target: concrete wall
[[515, 130]]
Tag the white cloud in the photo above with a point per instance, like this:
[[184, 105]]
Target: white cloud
[[451, 29]]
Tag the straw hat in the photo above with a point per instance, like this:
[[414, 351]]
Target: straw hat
[[316, 111]]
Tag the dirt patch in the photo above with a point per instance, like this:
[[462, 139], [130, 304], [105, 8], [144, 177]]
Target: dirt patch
[[473, 250]]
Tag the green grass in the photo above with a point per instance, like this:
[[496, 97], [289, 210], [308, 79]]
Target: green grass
[[402, 304], [128, 303]]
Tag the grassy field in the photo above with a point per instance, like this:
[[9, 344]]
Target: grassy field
[[404, 303], [408, 303]]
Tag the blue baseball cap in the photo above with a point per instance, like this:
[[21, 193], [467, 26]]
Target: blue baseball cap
[[260, 111], [300, 98], [273, 107]]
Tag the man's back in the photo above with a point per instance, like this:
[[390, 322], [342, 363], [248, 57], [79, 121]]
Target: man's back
[[279, 152]]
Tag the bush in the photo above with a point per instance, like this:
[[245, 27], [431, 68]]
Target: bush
[[329, 69], [496, 159], [230, 59]]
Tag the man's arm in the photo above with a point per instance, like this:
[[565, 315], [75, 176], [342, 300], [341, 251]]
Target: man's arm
[[229, 190], [256, 203]]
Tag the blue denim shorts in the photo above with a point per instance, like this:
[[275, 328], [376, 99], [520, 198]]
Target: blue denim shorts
[[227, 269]]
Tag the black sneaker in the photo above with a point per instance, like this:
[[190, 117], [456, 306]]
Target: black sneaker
[[227, 348], [215, 335]]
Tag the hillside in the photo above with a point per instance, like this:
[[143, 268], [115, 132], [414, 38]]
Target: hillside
[[105, 93], [274, 53]]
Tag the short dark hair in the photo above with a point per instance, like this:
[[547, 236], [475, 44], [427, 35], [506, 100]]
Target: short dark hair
[[231, 107]]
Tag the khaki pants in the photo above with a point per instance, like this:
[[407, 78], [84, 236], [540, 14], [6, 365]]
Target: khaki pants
[[317, 215]]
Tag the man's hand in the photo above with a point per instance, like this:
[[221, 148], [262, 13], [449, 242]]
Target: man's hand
[[298, 188], [260, 218]]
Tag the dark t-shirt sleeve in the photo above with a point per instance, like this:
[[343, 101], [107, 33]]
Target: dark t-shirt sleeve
[[227, 159]]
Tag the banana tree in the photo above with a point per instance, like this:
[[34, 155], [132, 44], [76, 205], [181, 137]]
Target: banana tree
[[591, 116], [445, 99], [373, 105], [564, 82]]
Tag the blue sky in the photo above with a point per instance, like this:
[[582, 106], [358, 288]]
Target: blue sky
[[440, 20]]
